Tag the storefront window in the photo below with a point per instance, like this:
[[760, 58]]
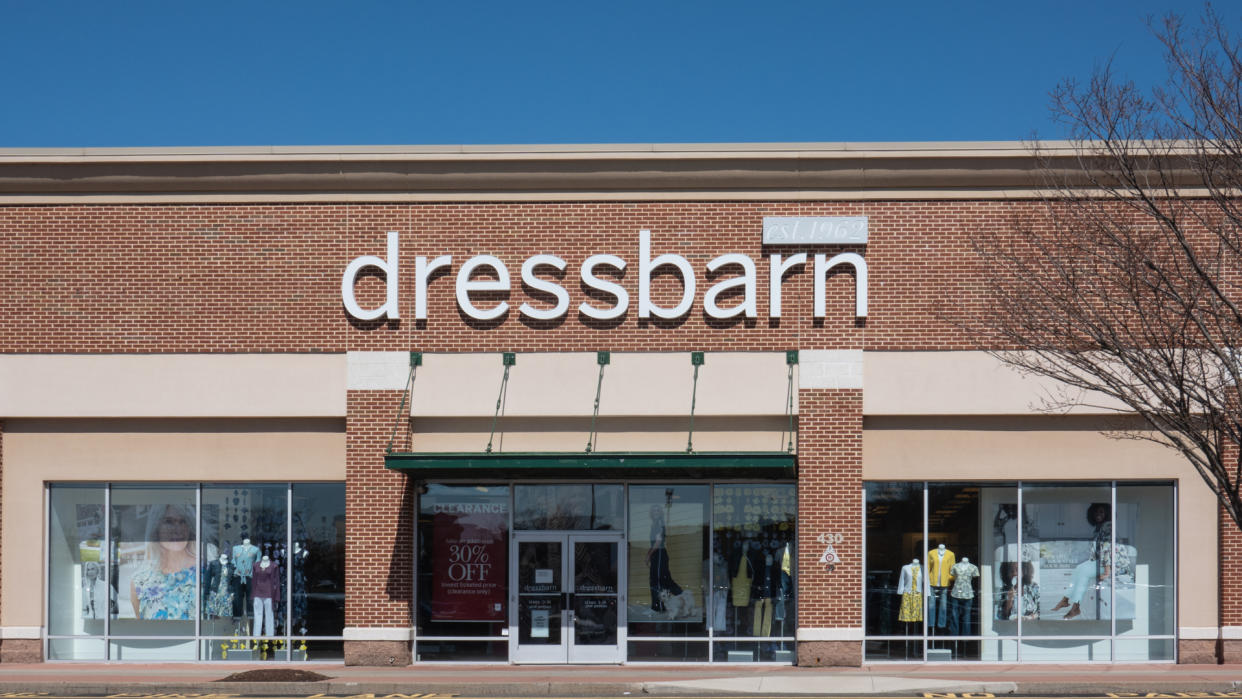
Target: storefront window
[[154, 568], [894, 591], [180, 581], [77, 567], [668, 566], [318, 567], [753, 555], [581, 506], [463, 569], [606, 572], [1057, 571], [246, 561], [1145, 599]]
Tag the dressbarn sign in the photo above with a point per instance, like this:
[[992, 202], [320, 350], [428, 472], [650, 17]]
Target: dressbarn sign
[[746, 279]]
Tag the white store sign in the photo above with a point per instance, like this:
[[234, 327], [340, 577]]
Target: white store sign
[[746, 280]]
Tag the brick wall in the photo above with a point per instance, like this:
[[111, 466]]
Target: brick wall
[[830, 502], [265, 278], [378, 518], [1230, 587]]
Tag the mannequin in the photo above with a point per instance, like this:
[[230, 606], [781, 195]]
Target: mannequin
[[910, 587], [783, 583], [217, 590], [720, 591], [298, 595], [962, 598], [940, 562], [741, 575], [266, 591], [244, 556]]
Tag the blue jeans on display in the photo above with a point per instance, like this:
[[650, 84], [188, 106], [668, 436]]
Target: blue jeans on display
[[938, 607], [959, 616]]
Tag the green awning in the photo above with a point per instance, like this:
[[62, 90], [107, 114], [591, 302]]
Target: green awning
[[570, 465]]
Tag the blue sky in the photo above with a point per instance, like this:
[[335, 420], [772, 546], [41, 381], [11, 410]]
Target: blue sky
[[267, 72]]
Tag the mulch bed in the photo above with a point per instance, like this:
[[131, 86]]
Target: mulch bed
[[276, 674]]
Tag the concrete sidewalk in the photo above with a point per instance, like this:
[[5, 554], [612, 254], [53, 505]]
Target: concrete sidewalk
[[633, 680]]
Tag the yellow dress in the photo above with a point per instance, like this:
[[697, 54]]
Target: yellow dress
[[912, 601], [911, 607]]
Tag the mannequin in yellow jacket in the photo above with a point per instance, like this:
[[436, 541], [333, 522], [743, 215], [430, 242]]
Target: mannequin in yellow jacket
[[940, 562]]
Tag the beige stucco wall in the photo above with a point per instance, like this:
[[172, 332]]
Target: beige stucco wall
[[1054, 448], [172, 385], [963, 383], [711, 433], [635, 383], [39, 451]]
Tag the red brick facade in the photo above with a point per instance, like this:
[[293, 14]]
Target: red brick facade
[[263, 278], [238, 278], [830, 502], [1230, 586]]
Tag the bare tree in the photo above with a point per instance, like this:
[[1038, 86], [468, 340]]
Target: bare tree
[[1124, 283]]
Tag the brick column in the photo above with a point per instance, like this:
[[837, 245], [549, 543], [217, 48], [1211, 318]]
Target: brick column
[[829, 502], [1230, 596], [378, 536]]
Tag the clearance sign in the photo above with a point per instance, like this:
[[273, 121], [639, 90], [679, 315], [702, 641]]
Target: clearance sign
[[468, 555], [778, 231]]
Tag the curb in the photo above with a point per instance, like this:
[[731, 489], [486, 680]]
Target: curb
[[825, 686]]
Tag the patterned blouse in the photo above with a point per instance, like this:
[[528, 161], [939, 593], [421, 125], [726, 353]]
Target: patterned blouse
[[165, 595], [963, 575]]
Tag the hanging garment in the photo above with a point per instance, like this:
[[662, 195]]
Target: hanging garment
[[911, 607], [741, 582]]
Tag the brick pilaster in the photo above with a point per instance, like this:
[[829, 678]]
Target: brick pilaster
[[378, 532], [1230, 593], [830, 502]]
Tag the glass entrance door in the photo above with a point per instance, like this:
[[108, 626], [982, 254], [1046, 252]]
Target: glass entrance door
[[566, 599]]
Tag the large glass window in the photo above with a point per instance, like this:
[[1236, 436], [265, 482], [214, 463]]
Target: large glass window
[[463, 571], [753, 556], [668, 569], [78, 575], [1043, 572], [591, 506], [187, 572], [707, 570]]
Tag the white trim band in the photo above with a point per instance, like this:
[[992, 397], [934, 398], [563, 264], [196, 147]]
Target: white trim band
[[855, 634], [1231, 633], [356, 633], [21, 632], [830, 369], [1198, 633], [376, 371]]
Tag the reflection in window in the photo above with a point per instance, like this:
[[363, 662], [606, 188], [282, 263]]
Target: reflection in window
[[1051, 562], [77, 567], [139, 584], [668, 560], [244, 581], [569, 507], [317, 562], [753, 554]]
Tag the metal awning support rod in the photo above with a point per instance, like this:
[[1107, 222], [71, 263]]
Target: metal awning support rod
[[791, 360], [416, 360], [602, 358], [509, 359], [696, 358]]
